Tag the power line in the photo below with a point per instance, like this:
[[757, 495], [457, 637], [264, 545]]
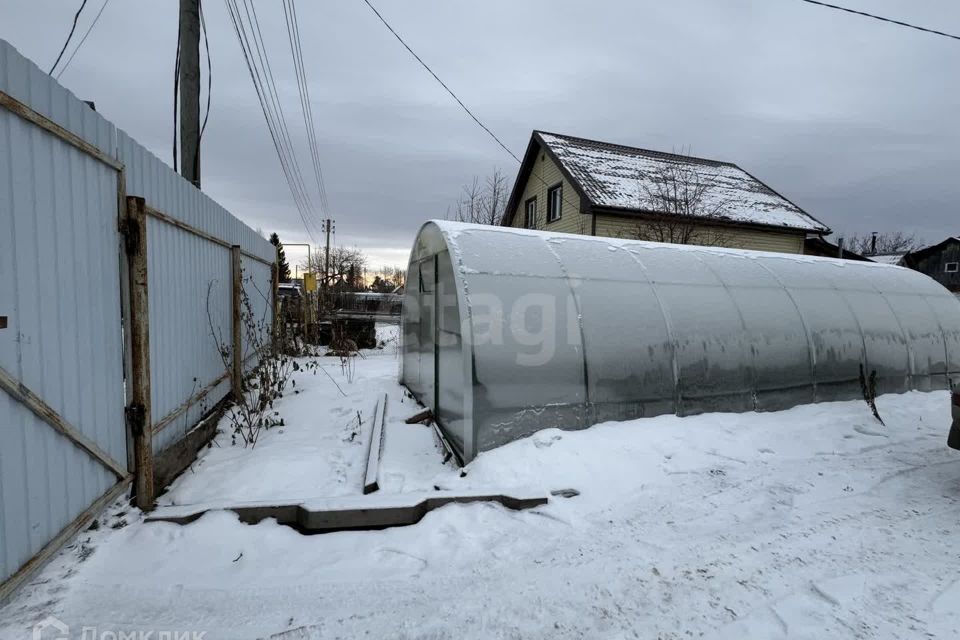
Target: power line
[[460, 102], [69, 35], [248, 34], [881, 18], [279, 116], [176, 93], [296, 50], [83, 39], [442, 84]]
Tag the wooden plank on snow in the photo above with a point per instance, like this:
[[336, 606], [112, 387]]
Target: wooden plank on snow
[[370, 482]]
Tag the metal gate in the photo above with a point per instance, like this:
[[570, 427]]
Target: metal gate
[[63, 441], [91, 225]]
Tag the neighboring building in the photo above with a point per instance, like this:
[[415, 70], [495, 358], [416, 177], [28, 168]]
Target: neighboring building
[[574, 185], [817, 246], [940, 261]]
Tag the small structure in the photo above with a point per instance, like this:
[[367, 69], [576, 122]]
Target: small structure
[[940, 261], [818, 246], [508, 331], [574, 185]]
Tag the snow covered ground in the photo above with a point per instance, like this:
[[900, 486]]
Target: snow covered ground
[[815, 522]]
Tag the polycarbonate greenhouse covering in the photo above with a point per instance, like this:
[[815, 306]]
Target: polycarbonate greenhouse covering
[[507, 331]]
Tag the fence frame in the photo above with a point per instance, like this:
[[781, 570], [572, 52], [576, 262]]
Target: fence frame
[[138, 469]]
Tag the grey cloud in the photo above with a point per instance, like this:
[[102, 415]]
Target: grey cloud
[[853, 119]]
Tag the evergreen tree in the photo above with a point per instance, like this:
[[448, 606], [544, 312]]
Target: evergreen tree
[[282, 265]]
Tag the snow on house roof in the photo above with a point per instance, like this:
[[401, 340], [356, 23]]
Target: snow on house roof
[[620, 177], [889, 258]]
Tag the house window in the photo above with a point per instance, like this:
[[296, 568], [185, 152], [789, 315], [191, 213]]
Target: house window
[[952, 267], [530, 213], [554, 202]]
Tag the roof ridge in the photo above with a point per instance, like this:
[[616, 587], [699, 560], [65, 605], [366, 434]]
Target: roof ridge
[[649, 152]]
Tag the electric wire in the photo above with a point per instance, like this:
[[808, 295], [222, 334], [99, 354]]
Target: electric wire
[[83, 39], [252, 52], [882, 19], [206, 116], [296, 50], [73, 28], [462, 105], [280, 117]]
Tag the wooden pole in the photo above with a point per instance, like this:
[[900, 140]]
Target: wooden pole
[[139, 417], [237, 324], [190, 90]]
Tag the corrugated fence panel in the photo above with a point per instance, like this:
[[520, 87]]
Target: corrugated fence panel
[[183, 268], [189, 288], [59, 287], [258, 287]]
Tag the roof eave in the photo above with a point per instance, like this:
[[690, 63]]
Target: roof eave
[[628, 212], [524, 174]]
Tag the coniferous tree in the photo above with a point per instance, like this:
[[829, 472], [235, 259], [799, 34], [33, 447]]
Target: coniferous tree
[[282, 265]]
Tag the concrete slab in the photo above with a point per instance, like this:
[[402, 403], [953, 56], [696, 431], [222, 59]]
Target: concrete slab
[[376, 511]]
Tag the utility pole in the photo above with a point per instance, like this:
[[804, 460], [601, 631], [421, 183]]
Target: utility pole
[[328, 226], [190, 90]]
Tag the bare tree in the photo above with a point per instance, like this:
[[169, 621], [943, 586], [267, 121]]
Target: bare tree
[[347, 266], [683, 205], [883, 243], [483, 202]]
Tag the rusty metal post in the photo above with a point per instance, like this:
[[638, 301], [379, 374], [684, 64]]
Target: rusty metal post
[[139, 417], [236, 325]]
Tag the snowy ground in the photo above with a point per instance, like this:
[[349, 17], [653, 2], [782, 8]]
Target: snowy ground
[[810, 523]]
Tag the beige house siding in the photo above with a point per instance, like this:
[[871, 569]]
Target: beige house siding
[[733, 237], [545, 174]]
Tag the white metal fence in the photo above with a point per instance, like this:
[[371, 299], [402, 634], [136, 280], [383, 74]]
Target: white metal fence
[[69, 303]]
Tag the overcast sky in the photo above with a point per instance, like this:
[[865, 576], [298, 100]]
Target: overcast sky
[[853, 119]]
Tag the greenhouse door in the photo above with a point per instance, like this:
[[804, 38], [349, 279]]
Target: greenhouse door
[[448, 355], [427, 331]]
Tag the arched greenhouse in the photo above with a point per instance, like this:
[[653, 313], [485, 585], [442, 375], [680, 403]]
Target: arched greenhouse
[[507, 331]]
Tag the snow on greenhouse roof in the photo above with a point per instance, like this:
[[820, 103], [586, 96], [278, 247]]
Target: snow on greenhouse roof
[[621, 177]]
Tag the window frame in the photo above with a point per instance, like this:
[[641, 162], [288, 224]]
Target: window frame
[[558, 189], [526, 213], [954, 264]]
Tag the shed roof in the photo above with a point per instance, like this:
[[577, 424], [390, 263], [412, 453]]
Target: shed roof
[[620, 177]]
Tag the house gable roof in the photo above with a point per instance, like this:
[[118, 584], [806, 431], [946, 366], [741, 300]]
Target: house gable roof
[[611, 176]]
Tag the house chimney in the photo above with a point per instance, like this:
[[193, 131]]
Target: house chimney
[[873, 243]]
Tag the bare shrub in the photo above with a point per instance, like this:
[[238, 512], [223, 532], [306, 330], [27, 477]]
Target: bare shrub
[[868, 386], [252, 409]]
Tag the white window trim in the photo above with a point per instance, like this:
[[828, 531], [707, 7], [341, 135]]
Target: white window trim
[[955, 265], [558, 189], [527, 222]]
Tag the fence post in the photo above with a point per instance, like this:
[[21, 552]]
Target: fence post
[[236, 325], [139, 417], [275, 328]]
